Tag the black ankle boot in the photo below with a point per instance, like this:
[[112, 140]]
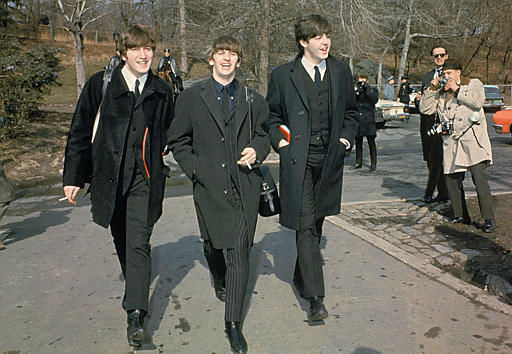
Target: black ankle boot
[[317, 310], [235, 337], [135, 331]]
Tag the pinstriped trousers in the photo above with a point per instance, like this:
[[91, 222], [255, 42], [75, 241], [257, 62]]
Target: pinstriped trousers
[[234, 267]]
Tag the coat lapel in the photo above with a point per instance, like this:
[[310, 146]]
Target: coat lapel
[[298, 82], [334, 78], [242, 107], [210, 98]]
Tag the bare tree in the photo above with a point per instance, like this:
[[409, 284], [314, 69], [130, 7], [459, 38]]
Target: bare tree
[[76, 21]]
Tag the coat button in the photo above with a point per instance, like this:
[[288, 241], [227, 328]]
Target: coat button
[[222, 139], [293, 161], [111, 179], [223, 165], [225, 191]]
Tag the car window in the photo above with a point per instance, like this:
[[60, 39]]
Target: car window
[[491, 90]]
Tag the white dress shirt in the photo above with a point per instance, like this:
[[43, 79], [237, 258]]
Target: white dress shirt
[[130, 79]]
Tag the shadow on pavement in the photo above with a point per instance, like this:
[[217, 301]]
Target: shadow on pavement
[[35, 225], [270, 258], [171, 263], [401, 189]]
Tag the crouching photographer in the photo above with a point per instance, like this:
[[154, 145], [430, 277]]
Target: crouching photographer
[[458, 103]]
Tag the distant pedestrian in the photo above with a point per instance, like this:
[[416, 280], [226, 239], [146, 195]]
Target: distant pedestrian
[[404, 91], [6, 196], [389, 89], [367, 98], [432, 144]]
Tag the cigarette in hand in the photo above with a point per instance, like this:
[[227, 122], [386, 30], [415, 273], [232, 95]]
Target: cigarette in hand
[[248, 165], [63, 199]]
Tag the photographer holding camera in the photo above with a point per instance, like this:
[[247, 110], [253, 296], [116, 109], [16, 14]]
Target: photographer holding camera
[[366, 97], [458, 102]]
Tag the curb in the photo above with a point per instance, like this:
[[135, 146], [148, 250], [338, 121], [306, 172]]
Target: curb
[[461, 287]]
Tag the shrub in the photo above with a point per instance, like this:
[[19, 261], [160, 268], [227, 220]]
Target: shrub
[[25, 77]]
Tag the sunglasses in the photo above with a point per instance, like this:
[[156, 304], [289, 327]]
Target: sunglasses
[[442, 55]]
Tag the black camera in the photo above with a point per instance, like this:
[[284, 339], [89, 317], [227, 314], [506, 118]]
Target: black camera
[[444, 128], [361, 86], [441, 82]]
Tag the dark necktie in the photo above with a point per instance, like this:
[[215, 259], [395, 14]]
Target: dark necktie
[[318, 78], [225, 102], [137, 92]]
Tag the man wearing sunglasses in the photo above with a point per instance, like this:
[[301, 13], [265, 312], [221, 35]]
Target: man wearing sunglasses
[[432, 146]]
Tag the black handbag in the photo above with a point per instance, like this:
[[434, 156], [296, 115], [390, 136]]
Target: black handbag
[[269, 198], [270, 204]]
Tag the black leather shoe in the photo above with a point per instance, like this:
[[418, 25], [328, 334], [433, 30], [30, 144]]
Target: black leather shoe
[[358, 165], [458, 220], [299, 286], [220, 289], [489, 226], [427, 199], [135, 331], [235, 337], [317, 310], [440, 199]]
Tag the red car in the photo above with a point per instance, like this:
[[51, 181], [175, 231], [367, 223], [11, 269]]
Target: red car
[[503, 120]]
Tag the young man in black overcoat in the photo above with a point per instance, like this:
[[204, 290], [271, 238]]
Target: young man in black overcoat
[[124, 163], [219, 146], [313, 96]]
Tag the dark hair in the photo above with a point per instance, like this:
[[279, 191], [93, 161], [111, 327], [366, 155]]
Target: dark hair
[[225, 43], [438, 46], [362, 76], [136, 36], [308, 27]]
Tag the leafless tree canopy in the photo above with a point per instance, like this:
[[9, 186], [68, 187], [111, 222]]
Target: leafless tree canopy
[[394, 35]]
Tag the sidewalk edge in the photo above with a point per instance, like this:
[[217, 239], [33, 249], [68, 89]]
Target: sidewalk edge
[[461, 287]]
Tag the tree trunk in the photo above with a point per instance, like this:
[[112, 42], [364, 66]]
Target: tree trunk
[[53, 18], [79, 61], [264, 47], [182, 42], [379, 73], [405, 50]]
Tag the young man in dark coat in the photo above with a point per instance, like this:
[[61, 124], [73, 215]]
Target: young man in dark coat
[[219, 146], [432, 144], [124, 163], [313, 96], [367, 98]]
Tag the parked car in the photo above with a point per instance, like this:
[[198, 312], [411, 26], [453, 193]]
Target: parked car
[[503, 120], [493, 98], [386, 110]]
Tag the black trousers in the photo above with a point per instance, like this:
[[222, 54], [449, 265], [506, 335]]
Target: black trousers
[[233, 269], [372, 147], [483, 191], [308, 266], [436, 178], [131, 233]]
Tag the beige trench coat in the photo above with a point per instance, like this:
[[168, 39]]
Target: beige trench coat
[[469, 144]]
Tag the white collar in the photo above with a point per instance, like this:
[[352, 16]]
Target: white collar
[[310, 67], [130, 79]]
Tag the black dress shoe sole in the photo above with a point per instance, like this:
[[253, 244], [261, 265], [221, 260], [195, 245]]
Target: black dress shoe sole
[[221, 295], [136, 338], [319, 316]]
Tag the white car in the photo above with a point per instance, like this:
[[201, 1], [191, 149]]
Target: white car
[[386, 110]]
